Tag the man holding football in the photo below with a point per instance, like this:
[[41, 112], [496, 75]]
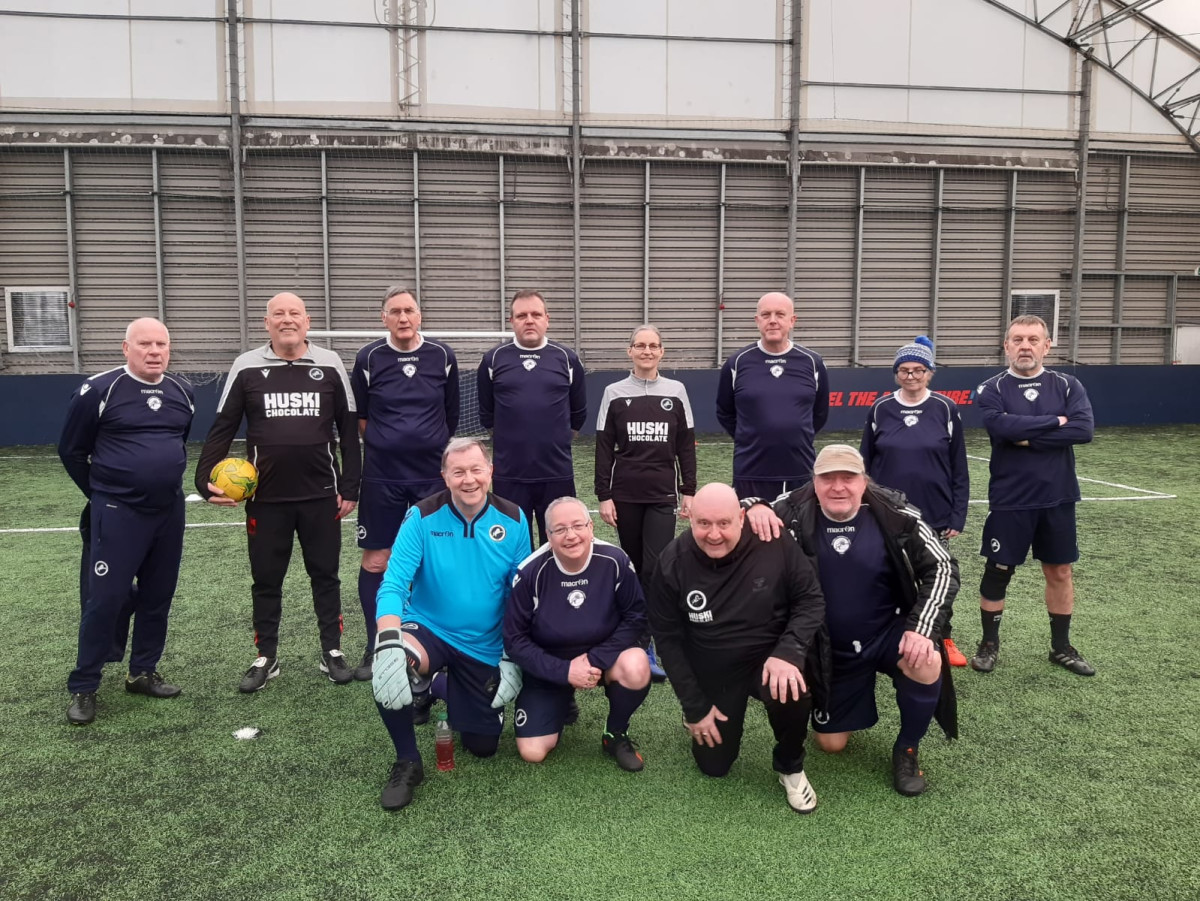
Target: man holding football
[[124, 443], [299, 412]]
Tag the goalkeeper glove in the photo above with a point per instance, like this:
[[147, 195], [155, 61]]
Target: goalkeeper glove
[[510, 682], [389, 678]]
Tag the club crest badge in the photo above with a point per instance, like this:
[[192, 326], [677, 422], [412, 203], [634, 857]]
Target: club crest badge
[[667, 404], [529, 364], [576, 598], [1031, 394], [521, 717], [101, 568], [777, 371], [154, 403], [911, 420], [841, 544], [316, 374], [995, 545], [409, 369], [497, 533], [362, 532], [696, 600]]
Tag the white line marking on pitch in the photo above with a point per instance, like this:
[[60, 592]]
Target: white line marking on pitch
[[1147, 494]]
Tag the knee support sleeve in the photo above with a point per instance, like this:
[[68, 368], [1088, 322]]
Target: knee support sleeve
[[994, 584]]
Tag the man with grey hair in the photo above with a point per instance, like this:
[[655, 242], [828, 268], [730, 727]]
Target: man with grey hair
[[124, 443], [1034, 418], [773, 398], [406, 391], [295, 398], [888, 585], [440, 606]]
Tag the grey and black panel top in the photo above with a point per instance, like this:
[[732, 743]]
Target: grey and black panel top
[[645, 442], [298, 414]]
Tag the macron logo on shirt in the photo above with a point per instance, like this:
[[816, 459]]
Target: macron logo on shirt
[[293, 403]]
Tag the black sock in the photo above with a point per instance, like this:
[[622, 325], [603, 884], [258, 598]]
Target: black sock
[[1060, 630], [368, 586], [622, 702], [991, 624]]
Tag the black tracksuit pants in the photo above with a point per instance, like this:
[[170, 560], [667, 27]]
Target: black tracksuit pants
[[270, 528]]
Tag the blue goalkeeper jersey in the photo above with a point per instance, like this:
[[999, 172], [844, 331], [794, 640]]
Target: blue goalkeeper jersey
[[1019, 408], [452, 575], [409, 399], [773, 405]]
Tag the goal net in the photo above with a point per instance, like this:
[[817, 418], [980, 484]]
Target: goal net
[[469, 347]]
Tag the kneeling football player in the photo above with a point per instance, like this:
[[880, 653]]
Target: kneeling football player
[[441, 605], [574, 620]]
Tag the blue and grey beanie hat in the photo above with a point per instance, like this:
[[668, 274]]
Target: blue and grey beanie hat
[[920, 351]]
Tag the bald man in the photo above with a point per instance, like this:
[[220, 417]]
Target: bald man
[[735, 618], [299, 411], [124, 443], [773, 398]]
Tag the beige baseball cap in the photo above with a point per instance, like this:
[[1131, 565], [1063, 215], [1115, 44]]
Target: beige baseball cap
[[839, 458]]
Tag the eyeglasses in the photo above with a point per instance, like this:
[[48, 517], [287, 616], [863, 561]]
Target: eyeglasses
[[911, 373], [563, 530], [646, 346], [402, 311]]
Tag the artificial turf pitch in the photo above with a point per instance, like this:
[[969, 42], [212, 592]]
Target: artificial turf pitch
[[1060, 787]]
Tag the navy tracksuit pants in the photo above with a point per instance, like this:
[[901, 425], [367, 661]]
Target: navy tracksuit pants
[[128, 545]]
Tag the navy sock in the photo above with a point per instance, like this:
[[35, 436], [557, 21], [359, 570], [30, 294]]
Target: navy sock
[[399, 724], [917, 703], [991, 624], [438, 686], [622, 702], [368, 587], [1060, 630]]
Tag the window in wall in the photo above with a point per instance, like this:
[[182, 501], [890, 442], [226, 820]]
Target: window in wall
[[1036, 303], [38, 319]]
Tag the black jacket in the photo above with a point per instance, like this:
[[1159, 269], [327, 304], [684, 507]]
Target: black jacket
[[926, 571], [715, 622]]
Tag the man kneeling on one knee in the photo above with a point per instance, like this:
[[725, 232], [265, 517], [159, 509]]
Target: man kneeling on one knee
[[888, 585], [734, 617], [441, 605], [574, 621]]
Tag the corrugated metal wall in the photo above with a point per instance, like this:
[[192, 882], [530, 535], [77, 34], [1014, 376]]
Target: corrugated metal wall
[[882, 253]]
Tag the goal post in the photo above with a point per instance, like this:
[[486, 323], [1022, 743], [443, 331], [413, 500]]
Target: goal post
[[469, 347]]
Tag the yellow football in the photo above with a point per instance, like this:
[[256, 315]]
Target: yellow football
[[236, 477]]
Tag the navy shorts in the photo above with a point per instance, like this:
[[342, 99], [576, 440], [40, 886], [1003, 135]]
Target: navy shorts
[[382, 506], [534, 498], [541, 707], [851, 702], [1008, 535], [470, 684]]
